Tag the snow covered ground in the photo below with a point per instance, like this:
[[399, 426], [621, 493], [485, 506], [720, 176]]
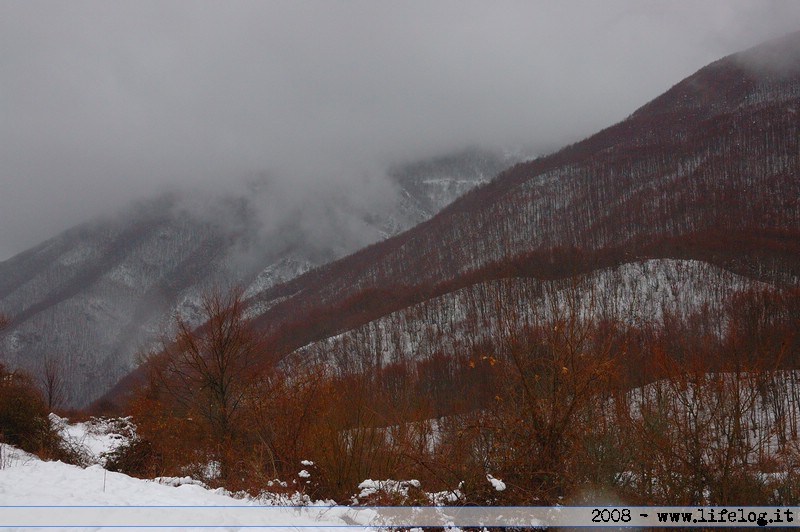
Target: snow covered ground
[[26, 480], [95, 438], [35, 493]]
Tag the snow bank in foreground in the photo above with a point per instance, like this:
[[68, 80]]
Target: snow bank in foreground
[[27, 481]]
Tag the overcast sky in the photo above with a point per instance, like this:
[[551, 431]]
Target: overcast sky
[[103, 102]]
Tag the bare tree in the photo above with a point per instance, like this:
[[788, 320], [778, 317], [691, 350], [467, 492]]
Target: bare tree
[[5, 321], [52, 382], [209, 370]]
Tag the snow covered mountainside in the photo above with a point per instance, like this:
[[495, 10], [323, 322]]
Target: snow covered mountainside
[[94, 296], [633, 293]]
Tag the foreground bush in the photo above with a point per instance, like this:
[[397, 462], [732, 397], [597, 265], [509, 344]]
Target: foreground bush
[[23, 416]]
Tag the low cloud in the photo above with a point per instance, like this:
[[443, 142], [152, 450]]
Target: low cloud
[[105, 102]]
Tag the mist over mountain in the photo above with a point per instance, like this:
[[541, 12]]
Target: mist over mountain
[[706, 171], [98, 294], [104, 103]]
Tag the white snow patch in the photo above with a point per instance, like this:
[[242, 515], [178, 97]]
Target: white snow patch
[[496, 483], [96, 438]]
